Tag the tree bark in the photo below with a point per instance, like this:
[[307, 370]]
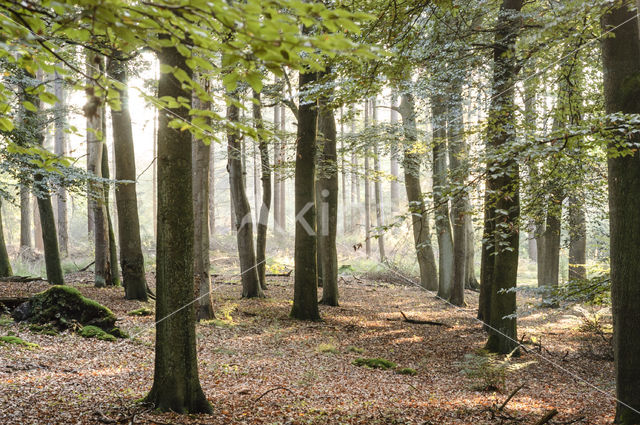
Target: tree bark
[[212, 191], [550, 258], [176, 385], [577, 239], [328, 188], [355, 196], [367, 187], [131, 258], [343, 172], [461, 216], [25, 219], [60, 150], [443, 225], [113, 249], [395, 186], [417, 209], [5, 264], [283, 158], [243, 220], [265, 178], [377, 188], [93, 113], [503, 188], [621, 63], [276, 169], [305, 293]]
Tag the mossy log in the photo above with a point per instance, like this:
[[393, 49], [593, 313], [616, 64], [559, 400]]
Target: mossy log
[[65, 307]]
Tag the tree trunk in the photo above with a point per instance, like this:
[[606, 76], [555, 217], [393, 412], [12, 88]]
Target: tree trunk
[[343, 171], [577, 239], [283, 158], [176, 385], [113, 250], [367, 187], [459, 171], [212, 190], [305, 293], [443, 225], [131, 258], [395, 186], [244, 222], [621, 60], [60, 150], [355, 196], [503, 190], [37, 227], [25, 219], [550, 255], [93, 113], [5, 265], [377, 185], [201, 264], [328, 187], [417, 209], [276, 169], [265, 177]]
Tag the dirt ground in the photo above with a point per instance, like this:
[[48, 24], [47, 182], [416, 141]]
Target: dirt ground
[[257, 366]]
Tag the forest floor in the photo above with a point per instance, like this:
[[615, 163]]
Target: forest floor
[[258, 366]]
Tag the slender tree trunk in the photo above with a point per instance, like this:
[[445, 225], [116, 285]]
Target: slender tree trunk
[[343, 171], [25, 219], [577, 239], [621, 63], [113, 250], [417, 208], [49, 236], [328, 185], [60, 150], [176, 385], [395, 186], [355, 198], [503, 190], [378, 187], [265, 177], [276, 169], [154, 183], [460, 215], [443, 225], [201, 264], [37, 227], [367, 187], [283, 158], [5, 264], [131, 258], [305, 292], [212, 190], [550, 258], [244, 222]]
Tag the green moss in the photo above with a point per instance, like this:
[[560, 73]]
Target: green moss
[[118, 333], [354, 349], [95, 332], [144, 311], [406, 371], [46, 329], [14, 340], [376, 363], [328, 349]]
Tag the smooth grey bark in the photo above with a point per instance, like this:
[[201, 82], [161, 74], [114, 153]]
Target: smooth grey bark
[[550, 252], [443, 225], [328, 188], [37, 227], [343, 175], [577, 239], [5, 264], [377, 188], [503, 189], [60, 150], [95, 145], [265, 205], [305, 292], [113, 249], [355, 188], [276, 169], [393, 161], [244, 222], [212, 190], [460, 215], [131, 258], [367, 187], [176, 385], [200, 157], [621, 66], [283, 181], [417, 208], [25, 219]]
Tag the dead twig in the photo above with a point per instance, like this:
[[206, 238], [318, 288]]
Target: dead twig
[[274, 389], [422, 322], [513, 393], [84, 269], [547, 417]]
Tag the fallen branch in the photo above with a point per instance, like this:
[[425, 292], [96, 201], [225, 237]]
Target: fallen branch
[[20, 279], [287, 274], [274, 389], [84, 269], [547, 417], [513, 393], [421, 322], [12, 302]]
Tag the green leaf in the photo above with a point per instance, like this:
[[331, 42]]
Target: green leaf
[[5, 124], [29, 106]]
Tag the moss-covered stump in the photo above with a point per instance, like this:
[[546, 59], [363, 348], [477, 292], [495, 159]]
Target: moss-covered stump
[[66, 308]]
